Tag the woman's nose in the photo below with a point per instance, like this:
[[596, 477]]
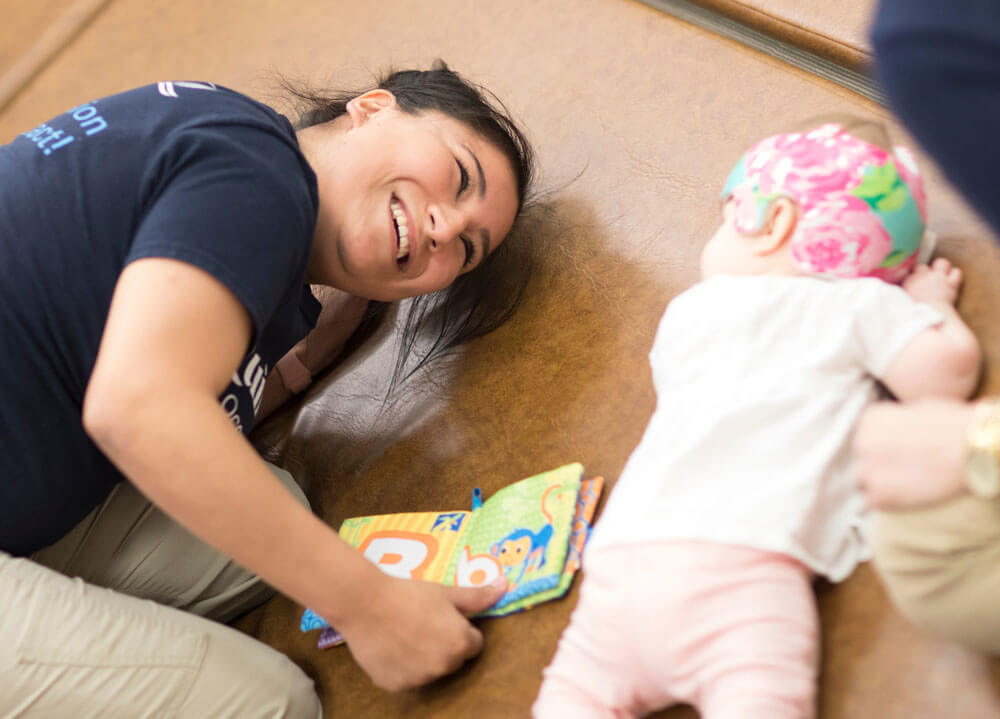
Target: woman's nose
[[444, 224]]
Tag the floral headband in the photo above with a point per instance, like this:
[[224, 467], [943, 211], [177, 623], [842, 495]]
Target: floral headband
[[861, 209]]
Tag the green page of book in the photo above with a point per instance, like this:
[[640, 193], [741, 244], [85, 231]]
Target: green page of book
[[521, 533]]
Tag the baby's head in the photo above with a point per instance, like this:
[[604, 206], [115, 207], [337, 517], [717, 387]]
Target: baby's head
[[822, 201]]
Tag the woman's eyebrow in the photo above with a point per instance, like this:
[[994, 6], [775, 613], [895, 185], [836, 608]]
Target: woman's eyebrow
[[479, 172]]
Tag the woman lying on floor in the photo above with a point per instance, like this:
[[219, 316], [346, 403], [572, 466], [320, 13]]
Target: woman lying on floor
[[155, 267]]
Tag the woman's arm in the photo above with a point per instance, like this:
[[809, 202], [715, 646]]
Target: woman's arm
[[173, 337], [339, 317], [911, 454]]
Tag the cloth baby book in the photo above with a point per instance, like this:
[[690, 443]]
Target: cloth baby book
[[531, 533]]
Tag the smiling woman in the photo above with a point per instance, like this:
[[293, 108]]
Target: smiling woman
[[399, 214], [451, 183], [176, 298]]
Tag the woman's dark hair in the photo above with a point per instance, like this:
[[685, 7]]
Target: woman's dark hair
[[483, 299]]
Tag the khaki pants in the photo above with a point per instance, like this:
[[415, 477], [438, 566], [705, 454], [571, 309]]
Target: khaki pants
[[116, 620], [941, 566]]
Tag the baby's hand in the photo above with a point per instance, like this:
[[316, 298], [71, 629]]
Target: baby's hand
[[937, 282]]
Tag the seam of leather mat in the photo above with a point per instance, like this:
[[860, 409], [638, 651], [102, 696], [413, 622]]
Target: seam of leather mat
[[769, 45], [49, 44]]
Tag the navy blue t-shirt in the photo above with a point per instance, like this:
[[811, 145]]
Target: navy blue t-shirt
[[189, 171], [939, 64]]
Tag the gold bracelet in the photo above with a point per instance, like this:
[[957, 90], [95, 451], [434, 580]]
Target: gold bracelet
[[982, 439]]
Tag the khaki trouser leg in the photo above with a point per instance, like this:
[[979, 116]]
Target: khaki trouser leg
[[71, 648], [941, 566], [129, 545]]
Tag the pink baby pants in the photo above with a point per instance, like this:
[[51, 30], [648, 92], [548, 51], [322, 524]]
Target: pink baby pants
[[730, 630]]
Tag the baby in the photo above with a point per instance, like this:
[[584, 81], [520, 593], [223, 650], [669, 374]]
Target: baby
[[697, 581]]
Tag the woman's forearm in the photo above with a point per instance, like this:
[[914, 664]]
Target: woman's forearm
[[185, 455]]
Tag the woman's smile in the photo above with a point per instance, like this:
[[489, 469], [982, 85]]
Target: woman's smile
[[401, 226]]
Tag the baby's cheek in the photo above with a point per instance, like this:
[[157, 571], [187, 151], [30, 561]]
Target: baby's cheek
[[706, 259]]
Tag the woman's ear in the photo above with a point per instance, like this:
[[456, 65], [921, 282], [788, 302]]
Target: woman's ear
[[363, 107], [780, 219]]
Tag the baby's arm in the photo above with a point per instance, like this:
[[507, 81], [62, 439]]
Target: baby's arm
[[942, 361]]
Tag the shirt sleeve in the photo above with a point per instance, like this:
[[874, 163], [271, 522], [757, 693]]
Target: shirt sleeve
[[886, 319], [236, 201], [939, 65]]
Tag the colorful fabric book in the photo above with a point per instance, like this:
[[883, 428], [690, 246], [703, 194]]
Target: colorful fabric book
[[531, 532]]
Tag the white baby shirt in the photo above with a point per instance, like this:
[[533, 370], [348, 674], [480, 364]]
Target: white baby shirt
[[759, 383]]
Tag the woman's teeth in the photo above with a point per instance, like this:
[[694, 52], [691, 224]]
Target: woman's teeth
[[401, 231]]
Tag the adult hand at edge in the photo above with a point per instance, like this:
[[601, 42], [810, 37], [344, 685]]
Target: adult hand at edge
[[912, 454], [411, 632]]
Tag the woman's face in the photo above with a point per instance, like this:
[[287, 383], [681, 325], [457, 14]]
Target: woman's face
[[407, 202]]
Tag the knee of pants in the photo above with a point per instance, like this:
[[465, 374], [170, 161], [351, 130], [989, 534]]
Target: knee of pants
[[941, 567], [74, 649], [238, 680], [301, 700], [295, 698]]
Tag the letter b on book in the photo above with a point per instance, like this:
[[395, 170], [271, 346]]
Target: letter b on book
[[476, 570]]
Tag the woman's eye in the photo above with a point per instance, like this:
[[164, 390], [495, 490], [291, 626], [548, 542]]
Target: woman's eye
[[470, 250], [463, 177]]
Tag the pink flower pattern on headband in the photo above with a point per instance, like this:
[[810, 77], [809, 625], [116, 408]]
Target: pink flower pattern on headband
[[846, 225], [838, 233], [812, 165], [896, 274], [746, 218], [823, 252], [906, 166]]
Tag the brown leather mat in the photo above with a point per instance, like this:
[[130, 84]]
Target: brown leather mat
[[24, 26], [34, 35], [637, 118]]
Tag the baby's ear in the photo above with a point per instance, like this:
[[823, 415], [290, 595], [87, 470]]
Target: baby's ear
[[780, 219]]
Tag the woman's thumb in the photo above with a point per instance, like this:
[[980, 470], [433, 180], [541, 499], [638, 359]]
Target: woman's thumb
[[472, 600]]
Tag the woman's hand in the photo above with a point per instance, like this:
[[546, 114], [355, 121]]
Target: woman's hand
[[405, 633], [913, 454], [339, 317]]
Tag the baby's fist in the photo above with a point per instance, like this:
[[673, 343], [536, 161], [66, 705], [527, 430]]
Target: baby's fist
[[937, 282]]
